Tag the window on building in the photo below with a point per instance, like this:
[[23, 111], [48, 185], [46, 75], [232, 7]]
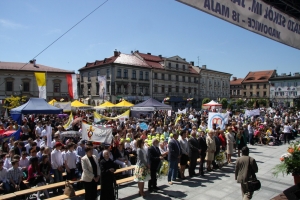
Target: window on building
[[98, 73], [107, 87], [189, 79], [238, 92], [257, 94], [282, 84], [183, 78], [190, 90], [155, 75], [250, 86], [177, 78], [195, 80], [125, 89], [89, 76], [119, 88], [183, 67], [170, 88], [81, 89], [97, 88], [265, 93], [141, 75], [177, 88], [155, 88], [244, 86], [162, 89], [170, 77], [245, 94], [125, 73], [195, 91], [162, 76], [176, 66], [134, 89], [257, 86], [265, 86], [26, 87], [295, 84], [170, 65], [183, 90], [251, 94], [81, 79], [146, 90], [89, 89], [119, 73], [133, 74], [142, 90], [231, 92], [9, 86], [147, 76], [107, 73], [56, 87]]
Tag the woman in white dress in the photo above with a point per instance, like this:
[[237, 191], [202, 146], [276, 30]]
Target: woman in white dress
[[230, 142]]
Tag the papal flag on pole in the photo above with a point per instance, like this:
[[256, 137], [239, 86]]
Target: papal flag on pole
[[72, 85], [41, 82]]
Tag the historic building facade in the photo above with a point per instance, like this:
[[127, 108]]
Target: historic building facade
[[18, 79], [236, 88], [284, 89]]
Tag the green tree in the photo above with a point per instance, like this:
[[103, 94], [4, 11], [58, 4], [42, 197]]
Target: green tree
[[205, 100], [250, 103], [13, 102], [240, 102], [262, 102], [224, 103], [230, 106]]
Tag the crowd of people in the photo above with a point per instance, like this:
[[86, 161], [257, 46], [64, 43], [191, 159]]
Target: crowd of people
[[181, 140]]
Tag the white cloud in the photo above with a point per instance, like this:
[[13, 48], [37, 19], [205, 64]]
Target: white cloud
[[9, 24]]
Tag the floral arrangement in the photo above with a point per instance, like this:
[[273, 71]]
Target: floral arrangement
[[290, 161], [220, 158], [164, 169]]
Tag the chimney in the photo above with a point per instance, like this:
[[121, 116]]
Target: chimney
[[234, 78], [149, 53], [116, 53], [183, 59], [131, 52], [192, 63], [160, 56], [203, 66]]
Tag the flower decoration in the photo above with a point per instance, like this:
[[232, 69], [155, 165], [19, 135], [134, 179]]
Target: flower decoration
[[163, 169], [290, 161]]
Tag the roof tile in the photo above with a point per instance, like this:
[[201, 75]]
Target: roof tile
[[30, 67], [259, 76]]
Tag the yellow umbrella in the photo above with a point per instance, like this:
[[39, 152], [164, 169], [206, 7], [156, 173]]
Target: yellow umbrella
[[52, 102], [78, 104], [123, 103], [105, 105]]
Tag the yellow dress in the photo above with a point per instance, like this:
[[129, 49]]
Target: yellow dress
[[211, 146]]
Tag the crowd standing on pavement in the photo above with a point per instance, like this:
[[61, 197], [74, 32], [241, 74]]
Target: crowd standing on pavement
[[181, 140]]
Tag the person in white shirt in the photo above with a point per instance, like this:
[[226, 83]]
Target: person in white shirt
[[38, 129], [287, 132], [38, 142], [49, 134], [28, 145], [70, 162], [9, 158], [24, 162], [4, 182], [57, 164], [44, 132]]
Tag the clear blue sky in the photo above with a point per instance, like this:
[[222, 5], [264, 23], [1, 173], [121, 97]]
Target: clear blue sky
[[163, 27]]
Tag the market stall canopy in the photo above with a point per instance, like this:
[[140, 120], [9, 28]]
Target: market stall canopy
[[36, 106], [79, 105], [52, 102], [123, 103], [105, 105], [151, 105], [212, 105]]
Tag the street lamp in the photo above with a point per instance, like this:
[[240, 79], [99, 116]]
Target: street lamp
[[142, 96], [21, 92], [103, 91]]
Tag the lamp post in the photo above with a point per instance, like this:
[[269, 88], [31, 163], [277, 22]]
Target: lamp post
[[142, 96], [21, 92], [103, 91]]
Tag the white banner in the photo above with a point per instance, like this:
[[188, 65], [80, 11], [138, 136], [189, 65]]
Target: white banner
[[220, 119], [253, 15], [102, 86], [96, 134], [181, 111], [66, 106], [251, 113]]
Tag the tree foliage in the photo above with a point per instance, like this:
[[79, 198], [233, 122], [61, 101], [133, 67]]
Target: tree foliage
[[14, 101], [240, 102], [205, 100], [224, 103]]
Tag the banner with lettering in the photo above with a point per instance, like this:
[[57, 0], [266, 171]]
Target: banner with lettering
[[251, 113], [220, 119], [66, 106], [96, 134], [255, 16]]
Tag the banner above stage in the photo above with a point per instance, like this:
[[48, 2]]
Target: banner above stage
[[96, 134], [253, 15]]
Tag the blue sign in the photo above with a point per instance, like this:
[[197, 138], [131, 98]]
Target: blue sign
[[143, 126]]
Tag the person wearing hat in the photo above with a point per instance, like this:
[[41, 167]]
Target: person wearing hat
[[57, 163], [15, 176]]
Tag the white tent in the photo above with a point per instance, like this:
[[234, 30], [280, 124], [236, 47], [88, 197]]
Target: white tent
[[212, 105]]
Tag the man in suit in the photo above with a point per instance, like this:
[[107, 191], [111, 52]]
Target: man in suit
[[154, 157], [20, 148], [218, 144], [245, 169], [203, 148], [193, 153], [173, 157]]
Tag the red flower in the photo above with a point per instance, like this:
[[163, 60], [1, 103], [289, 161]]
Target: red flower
[[291, 150]]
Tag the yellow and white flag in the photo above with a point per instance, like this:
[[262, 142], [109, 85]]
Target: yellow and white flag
[[68, 125], [41, 82]]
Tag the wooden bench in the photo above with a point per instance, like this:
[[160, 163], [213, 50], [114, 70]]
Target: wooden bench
[[63, 174], [77, 193], [8, 196], [132, 167], [122, 181]]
